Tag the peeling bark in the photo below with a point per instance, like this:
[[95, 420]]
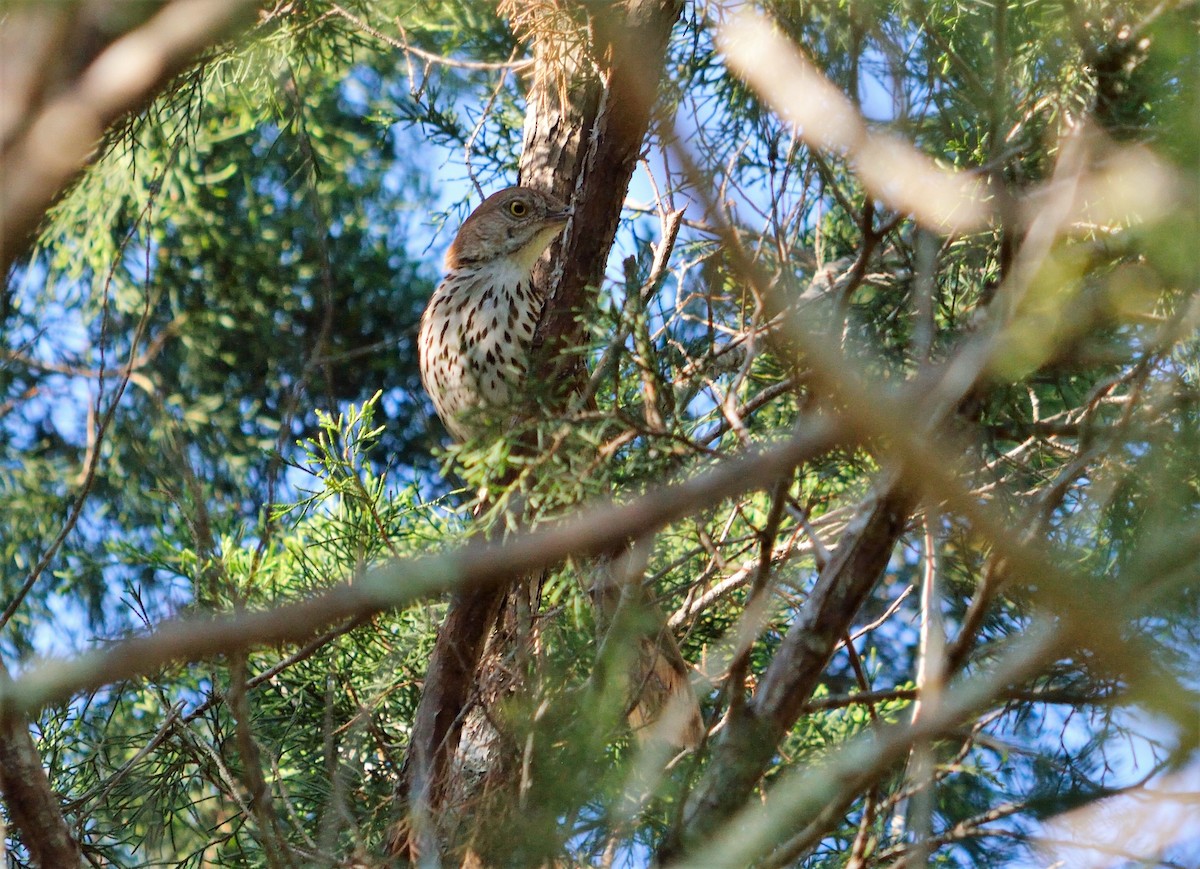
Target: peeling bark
[[584, 130], [437, 727], [582, 143]]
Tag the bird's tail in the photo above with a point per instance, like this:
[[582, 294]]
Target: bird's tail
[[665, 706], [662, 704]]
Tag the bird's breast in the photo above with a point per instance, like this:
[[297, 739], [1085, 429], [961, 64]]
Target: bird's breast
[[474, 343]]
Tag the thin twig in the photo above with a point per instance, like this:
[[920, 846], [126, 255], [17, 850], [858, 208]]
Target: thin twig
[[429, 56]]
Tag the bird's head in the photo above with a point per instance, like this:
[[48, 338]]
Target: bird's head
[[515, 224]]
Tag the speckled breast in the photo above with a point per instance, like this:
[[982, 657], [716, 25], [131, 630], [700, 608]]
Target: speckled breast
[[474, 345]]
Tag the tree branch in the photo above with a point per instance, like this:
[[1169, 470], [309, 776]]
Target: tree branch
[[752, 737], [811, 798], [476, 565], [47, 149]]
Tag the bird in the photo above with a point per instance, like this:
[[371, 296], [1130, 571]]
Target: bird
[[474, 342], [478, 325]]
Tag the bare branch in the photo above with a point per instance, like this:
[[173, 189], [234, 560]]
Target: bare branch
[[396, 583], [52, 146]]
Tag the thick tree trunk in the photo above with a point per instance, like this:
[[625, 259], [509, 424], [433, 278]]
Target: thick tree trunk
[[33, 807], [438, 725], [583, 137], [589, 110]]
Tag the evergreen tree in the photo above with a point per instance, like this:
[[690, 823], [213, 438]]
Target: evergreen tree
[[870, 346]]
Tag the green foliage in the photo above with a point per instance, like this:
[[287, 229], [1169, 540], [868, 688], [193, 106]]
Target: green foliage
[[329, 716], [239, 277]]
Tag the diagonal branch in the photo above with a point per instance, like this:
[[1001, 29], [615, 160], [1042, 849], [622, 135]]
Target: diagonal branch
[[48, 148], [751, 738], [476, 565], [813, 798]]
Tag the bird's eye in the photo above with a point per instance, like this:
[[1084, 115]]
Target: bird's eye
[[517, 208]]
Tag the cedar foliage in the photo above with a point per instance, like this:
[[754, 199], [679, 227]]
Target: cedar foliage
[[260, 239]]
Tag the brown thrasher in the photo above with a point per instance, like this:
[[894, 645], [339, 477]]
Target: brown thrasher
[[476, 330], [474, 345]]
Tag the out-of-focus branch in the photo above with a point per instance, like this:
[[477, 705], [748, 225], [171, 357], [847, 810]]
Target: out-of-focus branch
[[915, 436], [46, 150], [813, 797], [396, 583], [899, 174], [908, 428]]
